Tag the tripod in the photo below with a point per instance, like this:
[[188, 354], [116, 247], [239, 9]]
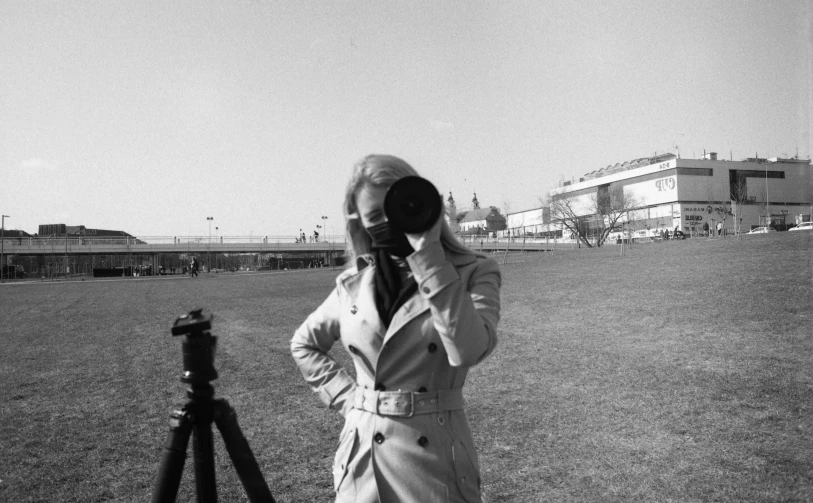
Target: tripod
[[197, 415]]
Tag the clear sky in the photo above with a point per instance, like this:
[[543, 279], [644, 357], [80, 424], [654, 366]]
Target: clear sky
[[149, 117]]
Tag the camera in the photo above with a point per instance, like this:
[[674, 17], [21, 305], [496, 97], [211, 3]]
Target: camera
[[412, 204]]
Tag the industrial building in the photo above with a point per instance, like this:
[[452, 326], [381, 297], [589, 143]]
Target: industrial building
[[668, 192]]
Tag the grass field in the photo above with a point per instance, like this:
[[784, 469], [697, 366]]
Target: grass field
[[679, 372]]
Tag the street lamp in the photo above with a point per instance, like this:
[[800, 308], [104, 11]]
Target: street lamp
[[209, 248], [2, 242], [324, 229], [216, 237]]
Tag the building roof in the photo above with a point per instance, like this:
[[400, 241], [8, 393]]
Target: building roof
[[15, 233], [474, 215], [632, 164]]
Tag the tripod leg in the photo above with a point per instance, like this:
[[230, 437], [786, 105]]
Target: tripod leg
[[203, 448], [241, 456], [169, 475]]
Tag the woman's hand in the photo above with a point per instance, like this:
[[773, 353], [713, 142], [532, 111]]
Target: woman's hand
[[422, 240]]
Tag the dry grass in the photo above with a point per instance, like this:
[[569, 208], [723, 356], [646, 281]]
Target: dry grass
[[678, 372]]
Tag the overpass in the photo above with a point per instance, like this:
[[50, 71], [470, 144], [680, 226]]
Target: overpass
[[153, 245], [57, 252], [73, 245]]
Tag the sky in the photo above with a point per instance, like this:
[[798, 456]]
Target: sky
[[150, 116]]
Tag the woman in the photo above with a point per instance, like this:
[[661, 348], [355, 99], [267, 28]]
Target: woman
[[415, 312]]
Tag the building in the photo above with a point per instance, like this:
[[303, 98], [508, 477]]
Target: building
[[533, 222], [46, 230], [451, 214], [480, 220], [668, 192]]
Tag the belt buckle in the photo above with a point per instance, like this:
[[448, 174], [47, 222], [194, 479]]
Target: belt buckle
[[393, 404], [411, 404]]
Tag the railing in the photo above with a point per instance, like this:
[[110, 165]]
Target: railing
[[56, 241]]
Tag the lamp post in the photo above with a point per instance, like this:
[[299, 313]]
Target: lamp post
[[217, 234], [209, 248], [2, 243], [324, 229]]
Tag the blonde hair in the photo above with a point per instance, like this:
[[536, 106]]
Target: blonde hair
[[378, 170]]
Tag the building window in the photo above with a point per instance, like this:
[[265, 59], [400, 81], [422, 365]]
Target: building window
[[695, 171]]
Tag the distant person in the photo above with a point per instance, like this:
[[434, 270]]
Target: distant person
[[302, 238], [315, 237], [193, 267], [705, 229], [433, 311], [719, 228]]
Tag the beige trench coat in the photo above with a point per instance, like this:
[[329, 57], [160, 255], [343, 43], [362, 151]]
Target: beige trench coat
[[414, 445]]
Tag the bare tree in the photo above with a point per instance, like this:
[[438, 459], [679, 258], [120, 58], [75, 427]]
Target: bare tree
[[611, 208], [606, 209], [739, 197], [506, 206], [563, 211]]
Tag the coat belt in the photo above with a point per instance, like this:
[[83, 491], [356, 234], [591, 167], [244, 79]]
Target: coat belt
[[407, 403]]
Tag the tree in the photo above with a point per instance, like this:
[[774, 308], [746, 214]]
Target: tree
[[563, 210], [739, 197], [611, 207], [596, 216]]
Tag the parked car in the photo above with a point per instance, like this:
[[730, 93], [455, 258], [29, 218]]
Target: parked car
[[761, 230], [804, 226]]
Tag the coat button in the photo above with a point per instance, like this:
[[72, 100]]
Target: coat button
[[423, 441], [379, 438], [432, 347], [354, 310], [380, 387], [353, 349], [422, 389], [426, 289]]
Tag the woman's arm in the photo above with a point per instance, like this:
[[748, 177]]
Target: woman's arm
[[309, 347], [465, 315]]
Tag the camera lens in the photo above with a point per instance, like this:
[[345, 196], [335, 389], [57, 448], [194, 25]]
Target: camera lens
[[412, 204]]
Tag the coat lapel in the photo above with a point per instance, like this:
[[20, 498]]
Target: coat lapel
[[361, 288], [412, 308], [416, 305]]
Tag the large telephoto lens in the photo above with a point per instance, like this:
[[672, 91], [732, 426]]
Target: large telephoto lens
[[412, 204]]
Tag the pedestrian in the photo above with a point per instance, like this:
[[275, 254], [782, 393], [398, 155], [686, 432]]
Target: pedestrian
[[415, 312], [193, 267], [705, 229], [719, 228]]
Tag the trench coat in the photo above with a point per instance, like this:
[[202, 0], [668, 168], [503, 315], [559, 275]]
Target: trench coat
[[406, 436]]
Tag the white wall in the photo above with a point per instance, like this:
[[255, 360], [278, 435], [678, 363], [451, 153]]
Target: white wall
[[525, 218], [649, 192]]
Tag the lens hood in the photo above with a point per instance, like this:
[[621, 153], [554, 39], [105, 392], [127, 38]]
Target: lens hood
[[412, 204]]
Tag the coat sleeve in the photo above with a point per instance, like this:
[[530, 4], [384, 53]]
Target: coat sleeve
[[464, 314], [309, 348]]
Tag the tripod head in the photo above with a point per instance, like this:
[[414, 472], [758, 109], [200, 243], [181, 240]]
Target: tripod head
[[198, 353]]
